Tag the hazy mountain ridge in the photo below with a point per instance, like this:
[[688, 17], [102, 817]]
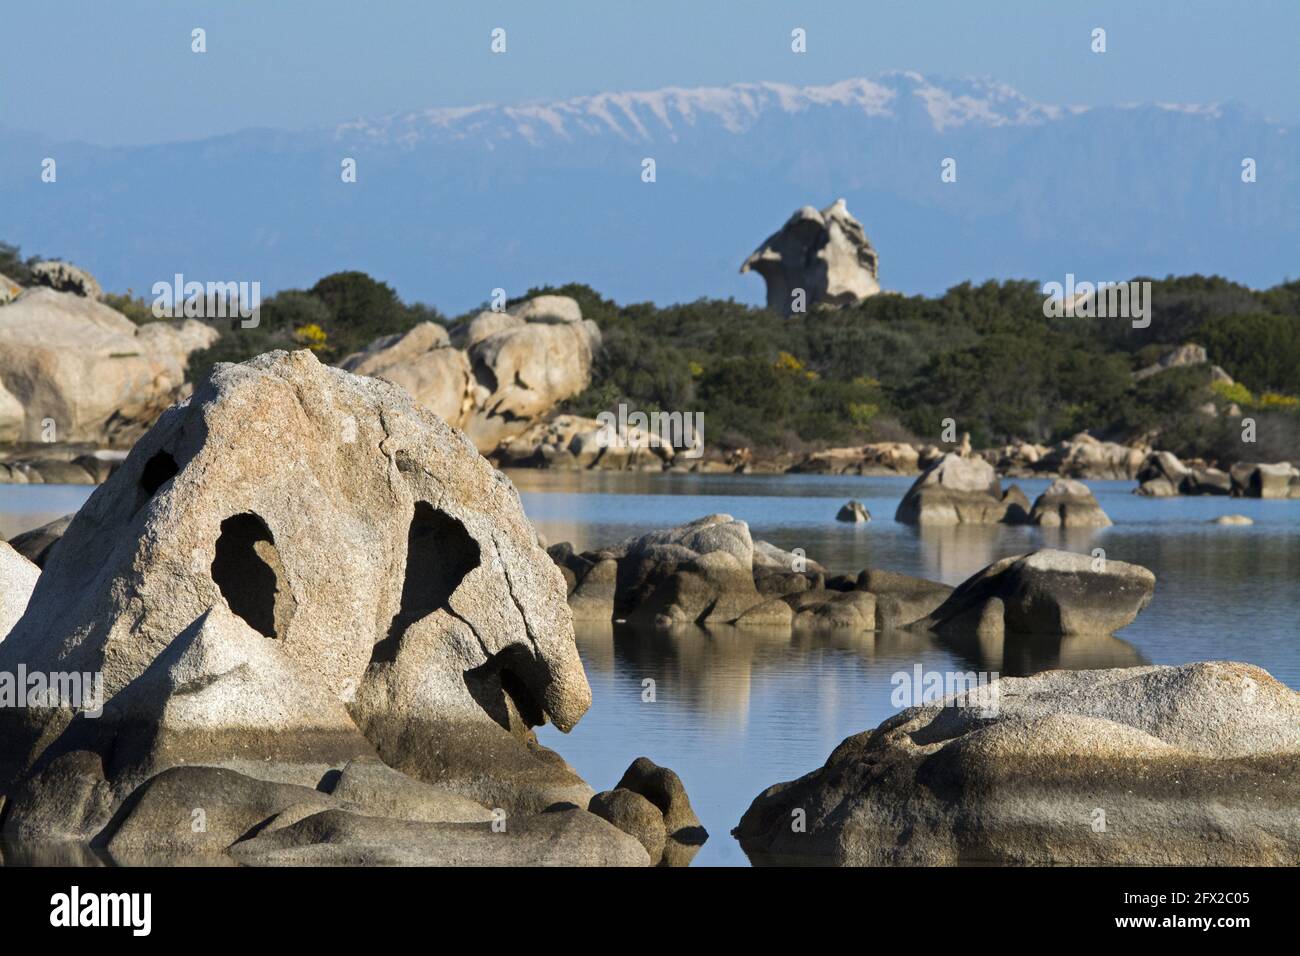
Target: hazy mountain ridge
[[451, 203]]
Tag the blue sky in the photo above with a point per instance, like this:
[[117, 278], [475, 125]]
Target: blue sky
[[122, 72]]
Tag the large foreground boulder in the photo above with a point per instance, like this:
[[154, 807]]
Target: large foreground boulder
[[1192, 765], [496, 375], [296, 569], [1046, 592], [825, 254], [72, 369]]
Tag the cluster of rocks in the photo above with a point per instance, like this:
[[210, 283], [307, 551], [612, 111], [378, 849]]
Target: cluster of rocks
[[496, 375], [322, 631], [1190, 765], [74, 370], [710, 572], [573, 443], [1162, 475], [817, 259], [1082, 456], [959, 490]]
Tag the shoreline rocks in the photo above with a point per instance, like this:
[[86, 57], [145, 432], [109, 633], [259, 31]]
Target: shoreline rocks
[[1190, 765]]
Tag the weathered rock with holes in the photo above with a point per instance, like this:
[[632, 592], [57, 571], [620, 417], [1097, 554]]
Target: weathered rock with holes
[[1068, 504], [825, 254], [1046, 592], [298, 566], [1191, 765]]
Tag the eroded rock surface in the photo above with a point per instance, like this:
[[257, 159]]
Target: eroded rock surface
[[72, 369], [1190, 765], [958, 490], [498, 374], [1068, 504]]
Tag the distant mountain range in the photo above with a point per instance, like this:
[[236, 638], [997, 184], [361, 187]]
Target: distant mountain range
[[451, 203]]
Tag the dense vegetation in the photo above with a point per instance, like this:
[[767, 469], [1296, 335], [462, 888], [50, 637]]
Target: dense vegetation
[[340, 314], [893, 367], [984, 355]]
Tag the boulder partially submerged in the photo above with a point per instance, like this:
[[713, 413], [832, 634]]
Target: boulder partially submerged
[[960, 490], [1068, 504], [296, 572], [710, 571], [1191, 765], [1047, 592], [853, 512]]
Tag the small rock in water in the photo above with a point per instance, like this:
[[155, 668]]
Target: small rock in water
[[1232, 519], [854, 512]]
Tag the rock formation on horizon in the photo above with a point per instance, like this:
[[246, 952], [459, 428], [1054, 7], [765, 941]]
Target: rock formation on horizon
[[826, 254]]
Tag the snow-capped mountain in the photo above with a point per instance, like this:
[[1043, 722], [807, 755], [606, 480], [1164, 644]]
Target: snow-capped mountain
[[451, 203]]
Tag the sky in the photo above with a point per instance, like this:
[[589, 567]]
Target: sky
[[122, 73]]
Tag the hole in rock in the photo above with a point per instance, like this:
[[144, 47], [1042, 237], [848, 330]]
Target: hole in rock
[[251, 576], [504, 696], [439, 553], [158, 470]]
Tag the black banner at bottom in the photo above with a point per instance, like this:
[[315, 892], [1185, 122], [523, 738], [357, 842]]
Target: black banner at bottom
[[332, 905]]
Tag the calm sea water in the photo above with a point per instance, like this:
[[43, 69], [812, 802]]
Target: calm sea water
[[736, 711]]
